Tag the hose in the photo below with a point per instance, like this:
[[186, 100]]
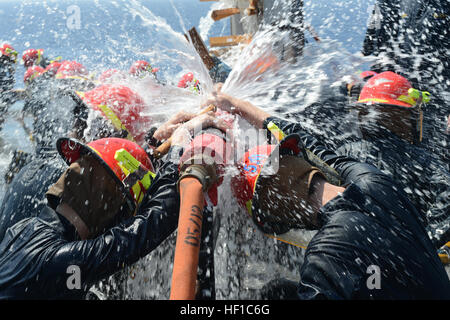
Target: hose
[[184, 274]]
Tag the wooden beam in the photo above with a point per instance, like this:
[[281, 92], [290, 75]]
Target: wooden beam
[[313, 32], [224, 13], [227, 41], [200, 47], [252, 8]]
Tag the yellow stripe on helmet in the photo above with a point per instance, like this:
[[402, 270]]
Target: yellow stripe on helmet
[[109, 113], [97, 152], [129, 165], [373, 100], [126, 161], [39, 59]]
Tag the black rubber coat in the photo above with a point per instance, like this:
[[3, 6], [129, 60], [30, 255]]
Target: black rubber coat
[[25, 195], [370, 229], [37, 254]]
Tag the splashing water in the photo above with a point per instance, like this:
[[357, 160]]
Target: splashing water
[[244, 258]]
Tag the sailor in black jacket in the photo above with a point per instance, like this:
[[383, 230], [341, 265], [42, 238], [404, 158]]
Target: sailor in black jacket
[[382, 134], [37, 253], [367, 228], [417, 171], [88, 231]]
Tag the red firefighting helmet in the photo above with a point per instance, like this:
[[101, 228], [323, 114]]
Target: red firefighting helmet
[[388, 88], [188, 81], [32, 73], [123, 107], [72, 69], [392, 90], [244, 184], [142, 68], [8, 51], [52, 69], [32, 56], [125, 160]]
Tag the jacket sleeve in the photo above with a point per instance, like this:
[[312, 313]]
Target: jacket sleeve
[[131, 240], [371, 202], [338, 169], [343, 170]]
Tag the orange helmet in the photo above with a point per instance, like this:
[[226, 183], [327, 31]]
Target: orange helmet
[[123, 107], [32, 73], [142, 68], [125, 160], [8, 51], [32, 56]]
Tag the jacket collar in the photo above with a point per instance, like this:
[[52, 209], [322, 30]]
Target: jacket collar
[[58, 223]]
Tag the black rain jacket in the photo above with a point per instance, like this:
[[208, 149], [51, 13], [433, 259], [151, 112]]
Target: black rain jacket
[[372, 243], [25, 195], [38, 254], [420, 174]]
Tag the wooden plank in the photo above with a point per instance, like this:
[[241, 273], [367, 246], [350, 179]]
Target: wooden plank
[[313, 32], [252, 7], [224, 13], [200, 47], [227, 41]]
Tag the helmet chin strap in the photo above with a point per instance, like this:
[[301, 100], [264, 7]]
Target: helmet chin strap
[[416, 128]]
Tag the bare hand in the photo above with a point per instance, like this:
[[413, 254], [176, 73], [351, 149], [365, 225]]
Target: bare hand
[[223, 101], [218, 87], [167, 129], [183, 134], [245, 109]]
